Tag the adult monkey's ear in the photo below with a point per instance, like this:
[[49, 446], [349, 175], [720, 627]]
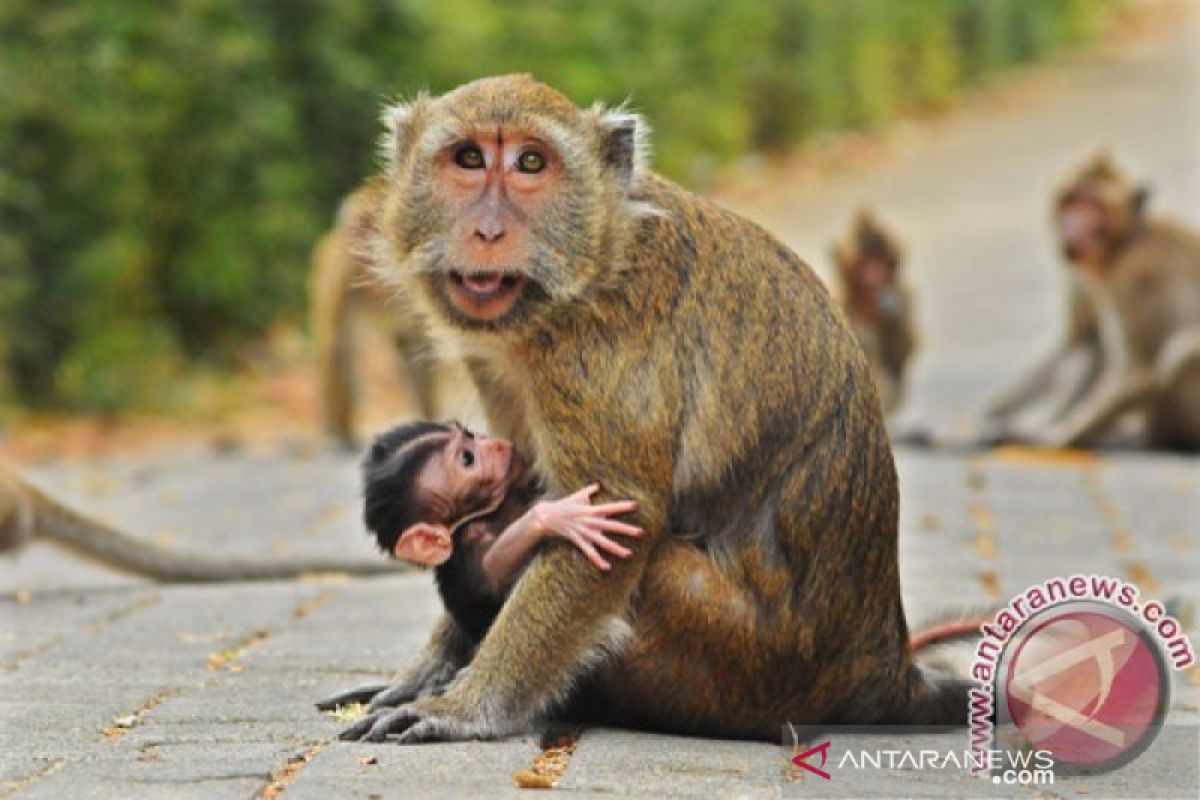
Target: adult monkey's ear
[[402, 122], [425, 544], [624, 142]]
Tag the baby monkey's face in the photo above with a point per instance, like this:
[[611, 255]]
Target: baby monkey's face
[[469, 473], [422, 481]]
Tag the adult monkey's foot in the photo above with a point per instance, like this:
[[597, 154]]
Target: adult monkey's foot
[[430, 719]]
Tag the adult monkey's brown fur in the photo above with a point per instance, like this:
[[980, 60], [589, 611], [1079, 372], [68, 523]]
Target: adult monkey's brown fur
[[878, 303], [343, 289], [630, 333], [1134, 322], [28, 514]]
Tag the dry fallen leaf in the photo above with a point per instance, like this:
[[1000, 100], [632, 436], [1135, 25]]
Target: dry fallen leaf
[[282, 777], [985, 545], [119, 726], [983, 518], [1123, 541], [991, 584], [548, 768], [1140, 575], [1044, 456], [528, 779], [347, 713], [223, 659]]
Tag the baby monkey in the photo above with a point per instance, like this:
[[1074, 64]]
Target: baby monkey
[[468, 505]]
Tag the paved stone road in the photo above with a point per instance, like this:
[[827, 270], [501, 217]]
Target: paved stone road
[[114, 687]]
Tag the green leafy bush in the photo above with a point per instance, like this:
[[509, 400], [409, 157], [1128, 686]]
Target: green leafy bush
[[165, 167]]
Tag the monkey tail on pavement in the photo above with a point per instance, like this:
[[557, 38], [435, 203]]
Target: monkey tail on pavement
[[950, 626], [939, 695], [99, 542], [937, 698]]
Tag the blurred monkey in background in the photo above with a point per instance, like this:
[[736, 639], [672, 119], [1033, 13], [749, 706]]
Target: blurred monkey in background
[[344, 294], [1133, 328], [878, 303]]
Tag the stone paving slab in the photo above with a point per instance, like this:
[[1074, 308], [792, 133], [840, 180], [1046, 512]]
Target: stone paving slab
[[438, 771], [33, 628], [197, 771], [616, 762]]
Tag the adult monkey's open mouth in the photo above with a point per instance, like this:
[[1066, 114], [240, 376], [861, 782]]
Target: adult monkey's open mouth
[[485, 294]]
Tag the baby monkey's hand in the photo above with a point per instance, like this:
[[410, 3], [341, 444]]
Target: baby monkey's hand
[[586, 526]]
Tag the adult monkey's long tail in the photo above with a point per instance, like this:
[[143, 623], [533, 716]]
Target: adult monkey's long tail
[[28, 513], [937, 697]]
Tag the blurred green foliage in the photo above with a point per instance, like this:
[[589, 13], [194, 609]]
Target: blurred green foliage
[[165, 166]]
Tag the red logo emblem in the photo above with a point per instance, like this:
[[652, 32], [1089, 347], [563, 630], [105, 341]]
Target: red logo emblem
[[823, 749], [1087, 687]]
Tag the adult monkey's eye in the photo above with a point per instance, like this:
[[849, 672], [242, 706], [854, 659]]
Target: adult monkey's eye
[[469, 157], [531, 161]]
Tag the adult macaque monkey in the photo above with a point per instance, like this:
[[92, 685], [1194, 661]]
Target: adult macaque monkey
[[630, 334], [28, 514], [1134, 323], [344, 293], [877, 303]]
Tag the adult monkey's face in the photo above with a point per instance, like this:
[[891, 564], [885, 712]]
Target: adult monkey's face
[[869, 265], [505, 200], [1095, 212]]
